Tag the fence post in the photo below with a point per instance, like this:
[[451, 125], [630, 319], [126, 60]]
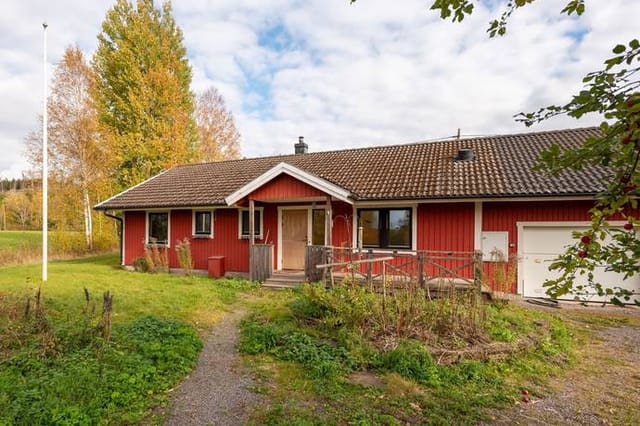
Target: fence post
[[421, 281], [369, 257], [477, 274]]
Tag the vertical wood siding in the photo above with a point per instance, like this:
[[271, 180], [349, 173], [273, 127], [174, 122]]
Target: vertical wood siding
[[134, 228], [285, 187], [503, 216], [342, 224], [224, 243], [446, 227]]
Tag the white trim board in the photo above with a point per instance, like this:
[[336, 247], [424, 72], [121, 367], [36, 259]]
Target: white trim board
[[284, 168]]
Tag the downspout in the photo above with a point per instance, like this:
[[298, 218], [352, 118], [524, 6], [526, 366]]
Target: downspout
[[119, 219]]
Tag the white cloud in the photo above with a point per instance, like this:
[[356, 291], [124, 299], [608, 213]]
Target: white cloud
[[342, 75]]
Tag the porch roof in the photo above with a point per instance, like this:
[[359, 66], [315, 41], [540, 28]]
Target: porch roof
[[283, 168]]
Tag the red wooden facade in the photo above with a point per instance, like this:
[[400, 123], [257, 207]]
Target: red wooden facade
[[439, 226]]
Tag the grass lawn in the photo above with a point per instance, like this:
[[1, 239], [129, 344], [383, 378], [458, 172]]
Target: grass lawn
[[25, 247], [55, 367], [197, 300], [11, 240]]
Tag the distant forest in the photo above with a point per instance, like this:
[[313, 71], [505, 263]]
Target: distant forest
[[18, 184]]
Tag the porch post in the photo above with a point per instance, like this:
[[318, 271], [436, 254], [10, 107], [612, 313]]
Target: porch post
[[328, 224], [252, 227]]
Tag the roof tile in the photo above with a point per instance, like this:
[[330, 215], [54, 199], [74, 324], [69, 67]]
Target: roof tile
[[426, 170]]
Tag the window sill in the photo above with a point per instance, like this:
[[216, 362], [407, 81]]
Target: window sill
[[246, 237], [202, 237]]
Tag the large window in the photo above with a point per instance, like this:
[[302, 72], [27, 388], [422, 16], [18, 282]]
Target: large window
[[244, 223], [385, 228], [202, 224], [158, 228]]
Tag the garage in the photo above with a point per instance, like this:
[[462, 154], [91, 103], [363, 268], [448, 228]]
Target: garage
[[540, 243]]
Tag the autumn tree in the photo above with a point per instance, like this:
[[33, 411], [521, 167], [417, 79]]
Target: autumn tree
[[76, 155], [218, 137], [145, 106], [614, 93]]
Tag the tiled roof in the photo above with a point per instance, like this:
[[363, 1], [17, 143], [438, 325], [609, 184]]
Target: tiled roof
[[427, 170]]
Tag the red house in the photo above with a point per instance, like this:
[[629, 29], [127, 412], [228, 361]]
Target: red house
[[461, 195]]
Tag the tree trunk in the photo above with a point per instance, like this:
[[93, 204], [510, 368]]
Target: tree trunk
[[88, 222]]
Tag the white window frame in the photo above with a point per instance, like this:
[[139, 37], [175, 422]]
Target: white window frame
[[146, 228], [193, 223], [247, 236]]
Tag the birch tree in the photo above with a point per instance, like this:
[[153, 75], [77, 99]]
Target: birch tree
[[76, 156], [218, 137]]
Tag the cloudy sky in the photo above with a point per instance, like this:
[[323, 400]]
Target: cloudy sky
[[376, 72]]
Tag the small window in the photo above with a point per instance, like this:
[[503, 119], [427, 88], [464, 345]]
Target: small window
[[318, 227], [202, 223], [158, 228], [244, 223], [386, 228]]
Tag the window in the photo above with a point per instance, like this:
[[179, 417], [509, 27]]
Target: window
[[244, 223], [386, 228], [158, 228], [202, 224], [318, 227]]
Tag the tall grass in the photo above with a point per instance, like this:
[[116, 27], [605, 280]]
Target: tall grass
[[25, 247]]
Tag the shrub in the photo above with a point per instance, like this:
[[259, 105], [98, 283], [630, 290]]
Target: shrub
[[156, 258], [183, 250], [412, 360]]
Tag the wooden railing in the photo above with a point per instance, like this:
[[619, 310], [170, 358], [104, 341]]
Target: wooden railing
[[424, 269]]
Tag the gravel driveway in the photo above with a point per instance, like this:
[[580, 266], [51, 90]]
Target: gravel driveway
[[603, 388], [218, 392]]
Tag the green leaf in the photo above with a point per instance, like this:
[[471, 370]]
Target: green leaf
[[619, 49]]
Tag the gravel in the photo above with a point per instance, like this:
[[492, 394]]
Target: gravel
[[601, 389], [218, 392]]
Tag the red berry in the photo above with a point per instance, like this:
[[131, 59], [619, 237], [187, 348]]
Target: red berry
[[583, 254], [626, 140], [628, 226], [525, 392], [525, 399], [585, 240]]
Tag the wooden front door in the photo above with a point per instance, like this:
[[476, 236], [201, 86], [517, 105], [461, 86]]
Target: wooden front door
[[294, 238]]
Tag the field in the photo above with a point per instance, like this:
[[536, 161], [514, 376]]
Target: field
[[24, 247], [55, 363]]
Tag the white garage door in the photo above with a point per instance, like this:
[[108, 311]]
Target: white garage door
[[540, 245]]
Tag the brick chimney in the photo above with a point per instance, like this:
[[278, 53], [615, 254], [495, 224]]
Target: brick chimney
[[301, 147]]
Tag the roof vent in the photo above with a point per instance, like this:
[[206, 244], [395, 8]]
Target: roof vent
[[301, 147], [465, 154]]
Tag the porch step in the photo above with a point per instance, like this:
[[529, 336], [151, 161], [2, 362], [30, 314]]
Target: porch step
[[285, 279]]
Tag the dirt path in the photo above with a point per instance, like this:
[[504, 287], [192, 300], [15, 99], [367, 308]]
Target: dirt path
[[218, 391], [603, 388]]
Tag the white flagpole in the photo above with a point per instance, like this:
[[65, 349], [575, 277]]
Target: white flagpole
[[45, 161]]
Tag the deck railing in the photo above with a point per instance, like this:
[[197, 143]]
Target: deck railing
[[424, 269]]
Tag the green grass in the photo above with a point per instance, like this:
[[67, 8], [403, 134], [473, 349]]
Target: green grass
[[197, 300], [11, 240], [25, 247], [305, 367], [57, 369]]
